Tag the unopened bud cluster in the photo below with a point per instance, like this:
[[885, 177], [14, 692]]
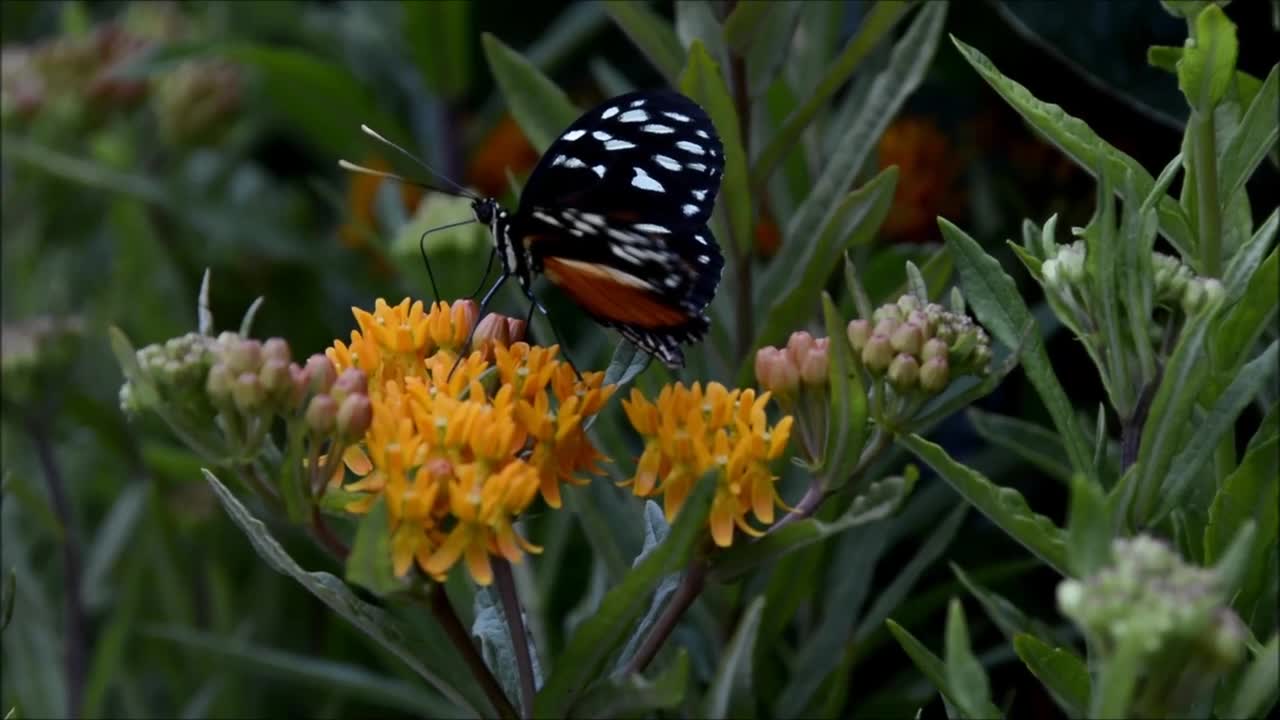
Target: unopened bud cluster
[[258, 380], [196, 100], [1150, 596], [803, 360], [174, 372], [919, 346], [1176, 284]]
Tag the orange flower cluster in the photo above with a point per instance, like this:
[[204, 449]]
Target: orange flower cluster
[[459, 453], [690, 432]]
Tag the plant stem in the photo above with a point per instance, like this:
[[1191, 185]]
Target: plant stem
[[695, 577], [519, 639], [74, 632], [326, 537], [444, 614], [1210, 218]]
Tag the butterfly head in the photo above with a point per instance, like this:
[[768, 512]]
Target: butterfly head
[[490, 214]]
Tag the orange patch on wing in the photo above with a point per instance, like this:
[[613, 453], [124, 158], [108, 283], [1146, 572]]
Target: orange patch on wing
[[605, 292]]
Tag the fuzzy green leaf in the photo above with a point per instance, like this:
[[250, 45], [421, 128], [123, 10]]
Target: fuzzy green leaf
[[1081, 144], [538, 105], [1061, 671], [1208, 60], [1004, 506], [703, 82], [587, 651], [447, 677], [995, 300]]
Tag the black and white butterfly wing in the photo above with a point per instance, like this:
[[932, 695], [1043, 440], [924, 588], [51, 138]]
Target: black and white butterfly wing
[[615, 215]]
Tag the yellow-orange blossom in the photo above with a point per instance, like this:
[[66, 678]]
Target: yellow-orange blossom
[[448, 452]]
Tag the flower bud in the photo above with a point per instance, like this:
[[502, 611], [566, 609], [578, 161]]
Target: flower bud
[[886, 326], [935, 374], [299, 383], [247, 392], [244, 355], [904, 371], [813, 369], [493, 330], [1071, 258], [321, 373], [1213, 290], [774, 371], [354, 417], [1193, 296], [878, 353], [516, 329], [932, 349], [351, 382], [322, 415], [908, 302], [907, 339], [276, 349], [887, 311], [980, 359], [464, 314], [218, 384], [274, 378], [797, 347], [859, 331]]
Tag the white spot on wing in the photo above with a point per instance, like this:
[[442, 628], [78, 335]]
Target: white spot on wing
[[666, 162], [611, 112], [637, 103], [598, 170], [676, 116], [689, 209], [574, 135], [618, 145], [644, 182], [548, 219], [574, 162], [700, 194], [559, 160], [672, 281], [650, 227], [593, 218], [697, 166], [700, 133], [634, 116], [704, 259], [689, 147], [657, 129], [700, 239]]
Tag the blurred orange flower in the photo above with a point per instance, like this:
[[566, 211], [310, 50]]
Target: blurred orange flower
[[505, 147], [362, 197], [927, 170]]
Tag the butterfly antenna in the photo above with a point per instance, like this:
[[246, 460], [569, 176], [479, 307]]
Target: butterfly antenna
[[361, 169], [493, 254], [422, 248], [484, 303], [419, 161]]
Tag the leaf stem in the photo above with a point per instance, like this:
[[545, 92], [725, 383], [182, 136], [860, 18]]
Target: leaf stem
[[519, 638], [695, 578], [1210, 218], [444, 614]]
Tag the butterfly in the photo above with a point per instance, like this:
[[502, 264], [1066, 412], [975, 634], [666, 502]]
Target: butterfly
[[615, 215]]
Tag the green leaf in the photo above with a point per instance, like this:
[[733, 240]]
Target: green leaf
[[298, 671], [1118, 677], [1027, 440], [789, 290], [446, 676], [628, 361], [880, 500], [1209, 59], [876, 25], [996, 302], [439, 38], [655, 38], [1082, 145], [656, 531], [1004, 506], [929, 664], [1256, 694], [733, 677], [1240, 327], [635, 696], [964, 673], [538, 105], [1253, 138], [1007, 616], [111, 539], [1061, 671], [703, 82], [491, 630], [1249, 258], [908, 63], [587, 651], [1089, 528], [1184, 375], [8, 590], [745, 22], [1249, 494], [1186, 467], [696, 22], [369, 564], [847, 409]]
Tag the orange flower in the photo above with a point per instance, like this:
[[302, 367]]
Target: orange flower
[[506, 148], [690, 433], [928, 168]]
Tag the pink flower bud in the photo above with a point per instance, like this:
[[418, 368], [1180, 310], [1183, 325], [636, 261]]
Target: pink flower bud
[[350, 382], [246, 392], [774, 370], [516, 329], [797, 346], [321, 373], [494, 330], [274, 378], [935, 374], [322, 415], [276, 349], [464, 315], [814, 367], [300, 382], [878, 353], [904, 371], [245, 356], [219, 383], [354, 417], [907, 338], [932, 349]]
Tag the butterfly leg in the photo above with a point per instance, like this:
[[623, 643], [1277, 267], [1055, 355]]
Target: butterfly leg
[[493, 254], [564, 349], [484, 303]]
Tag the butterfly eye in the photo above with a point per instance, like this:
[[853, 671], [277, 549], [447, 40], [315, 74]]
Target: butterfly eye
[[483, 210]]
